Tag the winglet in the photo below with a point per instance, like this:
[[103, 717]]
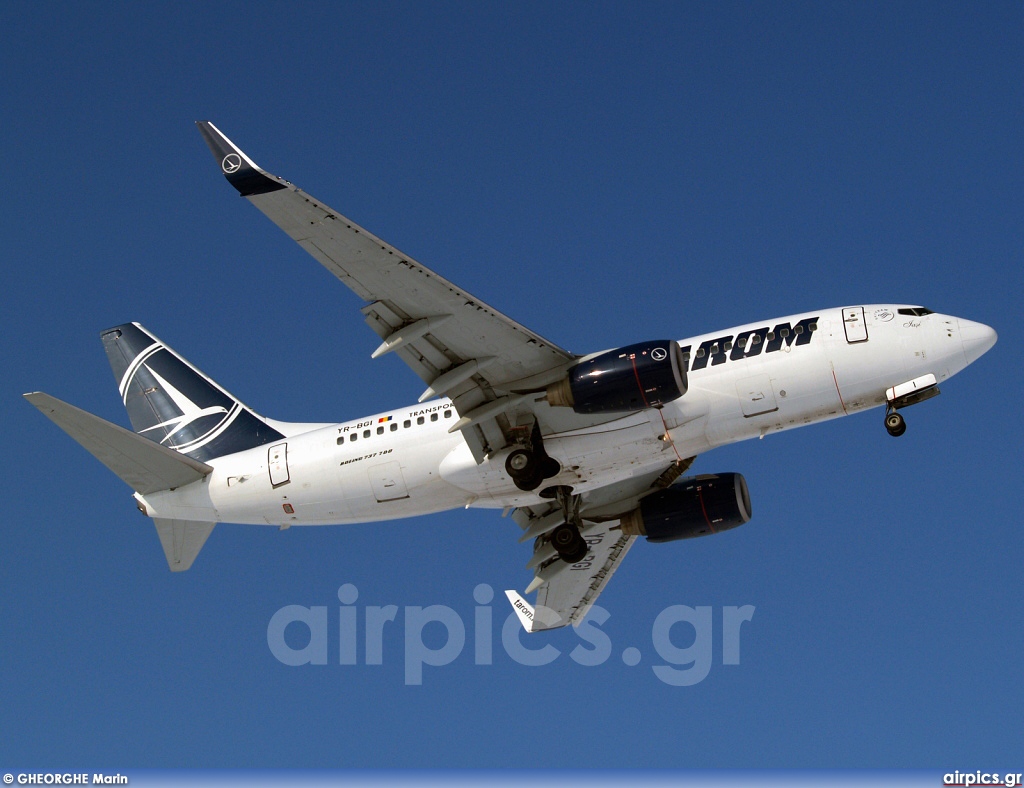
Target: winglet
[[534, 619], [524, 610], [241, 171]]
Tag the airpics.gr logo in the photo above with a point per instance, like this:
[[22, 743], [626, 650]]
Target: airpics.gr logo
[[231, 163], [299, 635]]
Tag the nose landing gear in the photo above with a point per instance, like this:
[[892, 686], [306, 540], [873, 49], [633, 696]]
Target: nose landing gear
[[904, 395], [895, 425]]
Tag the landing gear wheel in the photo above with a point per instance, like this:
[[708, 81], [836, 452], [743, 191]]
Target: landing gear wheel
[[529, 464], [525, 468], [528, 483], [568, 543], [529, 468], [577, 555], [895, 424], [520, 463], [564, 537]]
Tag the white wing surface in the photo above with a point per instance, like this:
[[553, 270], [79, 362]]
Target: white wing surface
[[565, 592], [458, 345]]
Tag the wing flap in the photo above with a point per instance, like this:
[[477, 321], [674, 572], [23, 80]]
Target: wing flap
[[147, 467], [376, 271], [570, 591], [565, 593]]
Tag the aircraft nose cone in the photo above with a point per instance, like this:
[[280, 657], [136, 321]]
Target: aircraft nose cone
[[977, 338]]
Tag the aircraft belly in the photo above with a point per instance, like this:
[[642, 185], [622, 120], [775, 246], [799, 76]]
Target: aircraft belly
[[610, 453], [589, 458]]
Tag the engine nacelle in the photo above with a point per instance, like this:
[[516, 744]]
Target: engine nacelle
[[630, 378], [692, 507]]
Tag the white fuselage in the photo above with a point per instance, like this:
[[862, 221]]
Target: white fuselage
[[405, 462]]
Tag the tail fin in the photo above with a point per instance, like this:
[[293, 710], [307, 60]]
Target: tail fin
[[174, 404], [182, 540]]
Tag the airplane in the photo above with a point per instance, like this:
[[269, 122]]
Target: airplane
[[587, 453]]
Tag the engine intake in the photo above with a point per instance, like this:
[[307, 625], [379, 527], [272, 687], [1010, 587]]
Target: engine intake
[[645, 375], [692, 507]]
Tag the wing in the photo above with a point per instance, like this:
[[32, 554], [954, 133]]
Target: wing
[[569, 591], [565, 592], [457, 344]]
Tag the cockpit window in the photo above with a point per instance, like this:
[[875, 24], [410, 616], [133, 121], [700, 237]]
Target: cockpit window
[[915, 311]]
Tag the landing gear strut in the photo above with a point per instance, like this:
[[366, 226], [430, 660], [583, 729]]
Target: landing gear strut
[[566, 538], [894, 423], [531, 465]]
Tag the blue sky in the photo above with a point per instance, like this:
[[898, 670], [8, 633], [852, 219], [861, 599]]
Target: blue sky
[[604, 173]]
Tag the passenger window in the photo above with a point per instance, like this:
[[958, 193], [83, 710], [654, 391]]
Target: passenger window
[[798, 330], [341, 439], [727, 347], [813, 327], [769, 336], [433, 417], [394, 426], [353, 437], [756, 339], [366, 433], [380, 430], [447, 414], [419, 420], [406, 424], [700, 352], [783, 332]]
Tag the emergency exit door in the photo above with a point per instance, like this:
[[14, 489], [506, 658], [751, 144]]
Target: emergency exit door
[[853, 322], [277, 461]]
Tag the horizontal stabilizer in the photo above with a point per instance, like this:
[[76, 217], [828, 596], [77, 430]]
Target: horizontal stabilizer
[[146, 467], [182, 540]]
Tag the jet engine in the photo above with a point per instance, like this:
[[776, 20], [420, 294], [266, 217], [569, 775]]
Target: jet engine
[[646, 375], [691, 507]]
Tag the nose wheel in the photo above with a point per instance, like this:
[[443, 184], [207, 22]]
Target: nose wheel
[[895, 424]]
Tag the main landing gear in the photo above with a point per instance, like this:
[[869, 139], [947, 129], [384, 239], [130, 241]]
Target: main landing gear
[[566, 538], [895, 425], [529, 466]]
